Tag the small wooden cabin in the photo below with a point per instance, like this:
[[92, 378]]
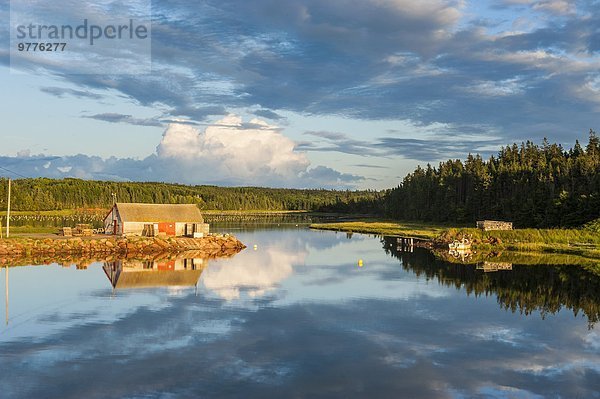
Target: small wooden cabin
[[155, 219], [487, 225]]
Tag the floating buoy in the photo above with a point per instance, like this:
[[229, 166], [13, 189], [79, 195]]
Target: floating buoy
[[360, 263], [255, 247]]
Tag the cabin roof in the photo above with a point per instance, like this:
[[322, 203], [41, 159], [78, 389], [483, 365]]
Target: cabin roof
[[135, 212]]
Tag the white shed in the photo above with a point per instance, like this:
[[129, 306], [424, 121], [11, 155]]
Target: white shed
[[155, 219]]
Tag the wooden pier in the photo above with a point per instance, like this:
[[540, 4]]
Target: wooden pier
[[405, 244]]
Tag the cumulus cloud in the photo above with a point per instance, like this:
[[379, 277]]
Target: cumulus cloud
[[227, 148], [228, 152]]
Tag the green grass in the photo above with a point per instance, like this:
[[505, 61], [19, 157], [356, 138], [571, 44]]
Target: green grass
[[248, 212], [387, 228], [16, 230], [574, 242], [61, 212], [528, 258]]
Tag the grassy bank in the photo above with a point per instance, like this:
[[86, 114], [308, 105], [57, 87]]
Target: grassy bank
[[16, 230], [523, 238], [526, 258], [387, 228], [249, 212], [577, 242]]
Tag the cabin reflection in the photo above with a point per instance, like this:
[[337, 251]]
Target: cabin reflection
[[489, 267], [180, 272]]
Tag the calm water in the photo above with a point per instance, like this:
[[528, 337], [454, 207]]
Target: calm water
[[297, 317]]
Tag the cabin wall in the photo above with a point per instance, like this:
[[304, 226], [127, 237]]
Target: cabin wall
[[110, 219], [136, 228], [488, 225], [179, 229], [133, 228], [108, 225]]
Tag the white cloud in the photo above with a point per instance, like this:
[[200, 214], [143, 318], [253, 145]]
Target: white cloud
[[228, 152], [557, 7], [502, 88], [441, 11], [255, 152], [560, 7]]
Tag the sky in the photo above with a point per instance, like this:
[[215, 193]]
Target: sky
[[304, 93]]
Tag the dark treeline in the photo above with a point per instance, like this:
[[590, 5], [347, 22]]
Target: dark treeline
[[51, 194], [529, 184]]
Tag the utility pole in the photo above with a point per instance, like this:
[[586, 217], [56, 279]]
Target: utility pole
[[8, 212]]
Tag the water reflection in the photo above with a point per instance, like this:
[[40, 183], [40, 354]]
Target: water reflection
[[180, 271], [490, 267], [299, 317], [254, 272], [525, 288]]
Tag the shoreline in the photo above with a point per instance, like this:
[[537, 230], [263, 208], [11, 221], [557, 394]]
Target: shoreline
[[211, 246], [577, 242]]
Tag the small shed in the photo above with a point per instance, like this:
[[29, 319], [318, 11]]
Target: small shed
[[155, 219], [487, 225]]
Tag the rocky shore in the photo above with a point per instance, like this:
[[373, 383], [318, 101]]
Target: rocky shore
[[211, 246]]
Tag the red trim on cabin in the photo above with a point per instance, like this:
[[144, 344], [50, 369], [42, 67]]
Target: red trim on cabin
[[111, 211], [168, 265]]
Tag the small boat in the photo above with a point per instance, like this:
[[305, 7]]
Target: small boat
[[458, 245], [462, 254]]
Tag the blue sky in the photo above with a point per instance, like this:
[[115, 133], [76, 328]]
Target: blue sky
[[306, 93]]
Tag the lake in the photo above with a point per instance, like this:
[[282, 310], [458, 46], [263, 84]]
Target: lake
[[294, 315]]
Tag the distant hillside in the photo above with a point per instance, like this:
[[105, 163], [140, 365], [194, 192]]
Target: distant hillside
[[50, 194]]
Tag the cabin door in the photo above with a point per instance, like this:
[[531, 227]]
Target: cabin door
[[168, 265], [167, 228]]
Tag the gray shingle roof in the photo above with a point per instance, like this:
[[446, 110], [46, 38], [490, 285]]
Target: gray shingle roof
[[132, 212]]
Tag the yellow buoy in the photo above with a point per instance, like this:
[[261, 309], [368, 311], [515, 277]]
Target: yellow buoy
[[360, 263], [255, 247]]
